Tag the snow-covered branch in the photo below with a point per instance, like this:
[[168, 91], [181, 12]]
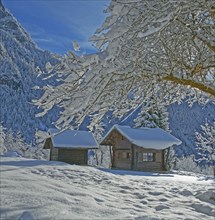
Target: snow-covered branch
[[148, 48]]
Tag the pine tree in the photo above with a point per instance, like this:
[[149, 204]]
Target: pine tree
[[153, 114]]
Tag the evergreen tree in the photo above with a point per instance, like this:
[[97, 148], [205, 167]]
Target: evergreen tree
[[153, 114]]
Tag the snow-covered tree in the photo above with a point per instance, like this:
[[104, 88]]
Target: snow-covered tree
[[41, 136], [15, 142], [165, 41], [98, 156], [2, 139], [153, 114], [205, 141], [148, 48]]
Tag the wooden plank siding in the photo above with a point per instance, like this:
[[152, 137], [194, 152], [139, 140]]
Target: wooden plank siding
[[121, 146], [54, 154], [48, 144], [127, 156], [73, 156], [156, 165]]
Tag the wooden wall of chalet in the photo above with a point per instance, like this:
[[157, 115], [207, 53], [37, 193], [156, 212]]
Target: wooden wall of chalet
[[125, 155], [73, 156], [54, 154], [121, 148], [48, 144], [68, 155], [156, 165]]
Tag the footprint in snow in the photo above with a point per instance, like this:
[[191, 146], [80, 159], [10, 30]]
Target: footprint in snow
[[123, 191], [161, 207], [125, 187], [163, 200], [143, 202], [186, 193], [155, 193], [99, 200]]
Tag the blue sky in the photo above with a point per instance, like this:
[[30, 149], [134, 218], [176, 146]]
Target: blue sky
[[54, 24]]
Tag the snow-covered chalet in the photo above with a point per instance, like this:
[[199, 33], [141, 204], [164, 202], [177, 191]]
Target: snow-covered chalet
[[139, 148], [70, 146]]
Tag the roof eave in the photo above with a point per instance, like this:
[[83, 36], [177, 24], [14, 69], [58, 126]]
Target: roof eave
[[72, 147]]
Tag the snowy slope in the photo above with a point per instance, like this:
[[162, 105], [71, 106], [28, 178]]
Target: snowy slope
[[33, 189], [19, 62], [185, 121]]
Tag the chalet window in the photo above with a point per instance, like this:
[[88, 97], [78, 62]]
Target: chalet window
[[148, 157]]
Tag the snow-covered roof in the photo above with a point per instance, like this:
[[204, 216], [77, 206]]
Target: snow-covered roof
[[153, 138], [73, 139]]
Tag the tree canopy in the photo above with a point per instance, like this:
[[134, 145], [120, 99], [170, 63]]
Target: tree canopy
[[160, 48]]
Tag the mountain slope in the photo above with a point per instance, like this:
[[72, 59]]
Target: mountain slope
[[185, 121], [19, 61]]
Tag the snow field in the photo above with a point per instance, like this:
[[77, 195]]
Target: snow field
[[33, 189]]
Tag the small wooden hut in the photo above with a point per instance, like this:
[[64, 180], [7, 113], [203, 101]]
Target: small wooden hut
[[70, 146], [138, 148]]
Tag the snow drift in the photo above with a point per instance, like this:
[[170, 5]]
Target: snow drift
[[34, 189]]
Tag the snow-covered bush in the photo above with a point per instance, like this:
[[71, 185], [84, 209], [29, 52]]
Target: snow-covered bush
[[189, 164], [14, 144], [37, 152]]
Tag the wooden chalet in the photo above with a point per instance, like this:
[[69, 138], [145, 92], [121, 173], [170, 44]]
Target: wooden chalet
[[70, 146], [138, 148]]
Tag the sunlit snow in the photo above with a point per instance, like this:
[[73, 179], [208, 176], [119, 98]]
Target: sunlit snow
[[33, 189]]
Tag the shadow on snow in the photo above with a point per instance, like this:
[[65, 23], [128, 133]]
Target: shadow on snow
[[134, 173], [31, 163]]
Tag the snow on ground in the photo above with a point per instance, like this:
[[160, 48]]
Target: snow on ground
[[33, 189]]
